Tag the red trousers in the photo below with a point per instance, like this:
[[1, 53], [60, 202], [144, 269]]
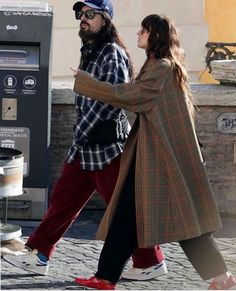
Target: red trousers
[[70, 194]]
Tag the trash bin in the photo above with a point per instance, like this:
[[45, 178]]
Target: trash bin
[[11, 184]]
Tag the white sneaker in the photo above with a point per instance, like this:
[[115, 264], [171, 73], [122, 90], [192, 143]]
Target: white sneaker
[[6, 251], [28, 261], [145, 274]]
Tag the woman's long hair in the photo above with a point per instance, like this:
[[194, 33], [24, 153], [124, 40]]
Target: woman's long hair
[[163, 42]]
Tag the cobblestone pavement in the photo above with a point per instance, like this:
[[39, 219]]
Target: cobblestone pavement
[[78, 257]]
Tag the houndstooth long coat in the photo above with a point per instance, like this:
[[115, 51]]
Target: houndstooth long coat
[[173, 197]]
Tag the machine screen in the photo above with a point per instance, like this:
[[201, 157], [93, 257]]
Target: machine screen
[[19, 57]]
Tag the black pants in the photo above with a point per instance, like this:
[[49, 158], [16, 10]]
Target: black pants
[[121, 241]]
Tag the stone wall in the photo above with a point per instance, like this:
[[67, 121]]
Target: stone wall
[[219, 147], [211, 100]]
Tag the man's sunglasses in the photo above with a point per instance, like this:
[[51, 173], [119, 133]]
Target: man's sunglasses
[[89, 14]]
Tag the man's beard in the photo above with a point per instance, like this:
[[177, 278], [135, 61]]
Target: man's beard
[[87, 35]]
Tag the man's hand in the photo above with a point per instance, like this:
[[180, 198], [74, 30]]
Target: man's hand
[[74, 71]]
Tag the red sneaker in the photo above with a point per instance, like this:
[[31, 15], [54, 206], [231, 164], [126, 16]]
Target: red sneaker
[[223, 285], [95, 283]]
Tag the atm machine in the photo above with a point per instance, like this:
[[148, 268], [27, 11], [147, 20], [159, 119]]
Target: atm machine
[[25, 98]]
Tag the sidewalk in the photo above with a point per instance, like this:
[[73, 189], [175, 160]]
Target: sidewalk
[[77, 255]]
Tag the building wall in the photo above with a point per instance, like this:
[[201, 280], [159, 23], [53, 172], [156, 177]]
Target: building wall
[[188, 15], [220, 15]]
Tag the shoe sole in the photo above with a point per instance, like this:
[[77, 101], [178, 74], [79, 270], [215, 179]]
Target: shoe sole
[[23, 266], [147, 275]]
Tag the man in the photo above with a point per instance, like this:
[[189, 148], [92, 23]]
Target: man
[[94, 157]]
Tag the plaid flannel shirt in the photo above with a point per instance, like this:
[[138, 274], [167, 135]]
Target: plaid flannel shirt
[[110, 64]]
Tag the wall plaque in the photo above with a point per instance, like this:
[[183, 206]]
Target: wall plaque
[[226, 122]]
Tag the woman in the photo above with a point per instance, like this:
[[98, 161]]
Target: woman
[[162, 193]]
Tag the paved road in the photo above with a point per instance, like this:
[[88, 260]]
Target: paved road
[[77, 255]]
